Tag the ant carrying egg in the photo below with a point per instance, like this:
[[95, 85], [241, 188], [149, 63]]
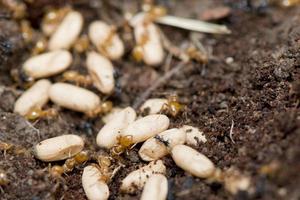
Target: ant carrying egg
[[52, 19], [149, 47], [137, 53], [103, 47]]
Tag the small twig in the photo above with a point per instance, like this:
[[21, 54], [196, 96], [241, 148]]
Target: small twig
[[35, 129], [157, 84], [231, 132], [167, 64], [115, 171], [193, 25], [133, 145]]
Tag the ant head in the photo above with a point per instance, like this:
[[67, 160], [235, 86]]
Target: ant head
[[106, 106], [34, 114], [70, 74], [81, 157], [56, 171], [104, 161], [173, 97], [126, 140]]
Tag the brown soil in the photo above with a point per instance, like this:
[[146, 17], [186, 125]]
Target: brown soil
[[259, 91]]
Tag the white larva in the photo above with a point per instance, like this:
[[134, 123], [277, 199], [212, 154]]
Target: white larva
[[193, 135], [47, 64], [108, 117], [107, 136], [94, 187], [101, 71], [35, 97], [106, 40], [192, 161], [67, 32], [58, 148], [155, 188], [147, 35], [137, 179], [73, 97], [146, 127], [153, 53], [153, 106], [160, 145]]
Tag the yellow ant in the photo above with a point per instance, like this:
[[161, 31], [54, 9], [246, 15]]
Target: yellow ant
[[107, 42], [289, 3], [26, 30], [40, 46], [79, 79], [78, 159], [105, 168], [18, 8], [197, 55], [3, 178], [82, 44], [104, 163], [155, 12], [123, 144], [152, 14], [15, 149], [172, 107], [5, 147], [54, 16], [37, 113], [105, 107], [138, 49], [56, 171], [21, 78]]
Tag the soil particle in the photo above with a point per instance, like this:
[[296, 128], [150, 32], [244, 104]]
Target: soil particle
[[11, 47]]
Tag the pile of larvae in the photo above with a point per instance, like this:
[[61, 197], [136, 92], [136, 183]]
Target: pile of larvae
[[123, 129]]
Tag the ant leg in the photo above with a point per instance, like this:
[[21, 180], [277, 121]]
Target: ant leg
[[115, 171], [133, 146], [164, 108]]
